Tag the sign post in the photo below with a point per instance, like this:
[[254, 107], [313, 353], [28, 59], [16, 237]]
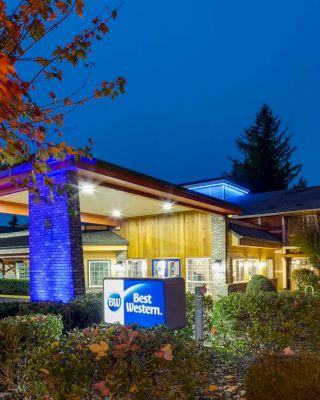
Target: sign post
[[199, 293], [145, 301]]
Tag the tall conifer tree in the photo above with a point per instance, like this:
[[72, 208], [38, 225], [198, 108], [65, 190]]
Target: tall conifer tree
[[266, 155]]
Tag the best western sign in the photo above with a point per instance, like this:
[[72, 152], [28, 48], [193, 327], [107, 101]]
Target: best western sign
[[145, 302]]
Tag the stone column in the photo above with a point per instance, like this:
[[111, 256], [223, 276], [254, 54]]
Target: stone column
[[219, 255], [55, 242]]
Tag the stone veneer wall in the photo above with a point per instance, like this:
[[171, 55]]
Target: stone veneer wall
[[55, 242], [219, 255]]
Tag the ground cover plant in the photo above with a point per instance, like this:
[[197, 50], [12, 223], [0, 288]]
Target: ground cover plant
[[22, 338], [119, 362]]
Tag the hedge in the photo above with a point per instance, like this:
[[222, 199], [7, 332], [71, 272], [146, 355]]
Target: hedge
[[84, 311], [120, 362], [15, 286], [281, 377], [266, 321]]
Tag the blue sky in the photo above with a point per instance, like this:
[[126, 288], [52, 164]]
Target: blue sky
[[197, 73]]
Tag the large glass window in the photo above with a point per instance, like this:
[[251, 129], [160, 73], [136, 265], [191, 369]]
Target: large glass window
[[137, 268], [270, 268], [199, 273], [98, 270], [22, 270], [238, 270], [244, 269]]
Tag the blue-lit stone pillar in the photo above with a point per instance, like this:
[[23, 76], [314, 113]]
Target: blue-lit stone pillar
[[55, 242]]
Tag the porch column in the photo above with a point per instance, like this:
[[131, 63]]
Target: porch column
[[219, 255], [55, 242]]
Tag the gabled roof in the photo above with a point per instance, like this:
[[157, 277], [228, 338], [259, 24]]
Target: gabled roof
[[252, 233], [100, 237], [280, 202]]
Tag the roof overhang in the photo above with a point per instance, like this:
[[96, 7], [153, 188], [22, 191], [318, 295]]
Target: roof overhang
[[110, 176]]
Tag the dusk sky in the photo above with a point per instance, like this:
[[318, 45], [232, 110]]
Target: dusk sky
[[197, 73]]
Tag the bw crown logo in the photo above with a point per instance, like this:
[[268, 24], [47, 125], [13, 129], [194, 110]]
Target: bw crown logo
[[114, 302]]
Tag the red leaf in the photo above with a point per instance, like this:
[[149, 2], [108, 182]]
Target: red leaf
[[52, 95]]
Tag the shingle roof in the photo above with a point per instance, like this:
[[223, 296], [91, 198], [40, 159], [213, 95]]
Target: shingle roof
[[107, 238], [280, 201], [253, 233], [103, 237]]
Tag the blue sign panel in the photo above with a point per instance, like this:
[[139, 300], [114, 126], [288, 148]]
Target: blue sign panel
[[134, 301]]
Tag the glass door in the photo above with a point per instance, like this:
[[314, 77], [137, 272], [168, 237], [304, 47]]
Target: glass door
[[166, 267]]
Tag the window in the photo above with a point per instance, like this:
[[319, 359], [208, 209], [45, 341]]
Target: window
[[300, 262], [244, 269], [251, 268], [270, 268], [199, 273], [98, 270], [119, 269], [238, 270], [22, 270], [137, 268]]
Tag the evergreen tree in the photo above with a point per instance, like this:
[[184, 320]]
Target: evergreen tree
[[14, 222], [266, 149]]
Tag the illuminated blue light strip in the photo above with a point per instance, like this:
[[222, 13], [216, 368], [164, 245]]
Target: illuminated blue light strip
[[244, 191]]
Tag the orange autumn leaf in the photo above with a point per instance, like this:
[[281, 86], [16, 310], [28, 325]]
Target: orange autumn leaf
[[79, 7], [165, 352]]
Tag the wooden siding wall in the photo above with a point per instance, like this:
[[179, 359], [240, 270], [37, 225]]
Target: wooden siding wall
[[172, 235]]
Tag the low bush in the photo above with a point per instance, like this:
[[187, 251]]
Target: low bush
[[259, 283], [266, 321], [279, 377], [20, 338], [304, 277], [15, 286], [120, 362]]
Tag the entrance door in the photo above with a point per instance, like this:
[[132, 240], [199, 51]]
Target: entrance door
[[166, 267]]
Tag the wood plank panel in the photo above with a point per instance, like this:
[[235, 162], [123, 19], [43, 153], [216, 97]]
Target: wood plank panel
[[176, 235]]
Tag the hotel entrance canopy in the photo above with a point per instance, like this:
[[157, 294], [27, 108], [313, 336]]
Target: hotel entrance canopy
[[105, 187], [101, 193]]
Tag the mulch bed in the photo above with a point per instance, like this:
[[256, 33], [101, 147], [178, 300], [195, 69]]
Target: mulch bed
[[228, 379]]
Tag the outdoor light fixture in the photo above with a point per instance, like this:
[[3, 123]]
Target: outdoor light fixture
[[116, 213], [87, 188], [167, 206]]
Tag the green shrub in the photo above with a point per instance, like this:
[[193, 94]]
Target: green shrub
[[74, 315], [279, 377], [266, 321], [21, 337], [94, 302], [304, 277], [84, 311], [188, 331], [259, 283], [9, 309], [15, 286], [120, 362]]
